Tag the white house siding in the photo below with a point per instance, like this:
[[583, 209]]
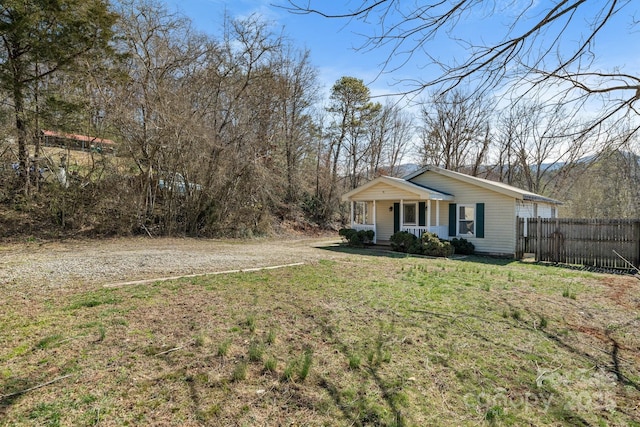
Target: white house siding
[[500, 211], [444, 213], [527, 209], [384, 191], [384, 220], [545, 210]]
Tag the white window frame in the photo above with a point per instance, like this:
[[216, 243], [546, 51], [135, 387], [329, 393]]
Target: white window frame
[[363, 213], [404, 213], [458, 219]]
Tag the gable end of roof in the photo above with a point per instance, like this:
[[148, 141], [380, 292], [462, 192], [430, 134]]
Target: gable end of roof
[[496, 186], [420, 191]]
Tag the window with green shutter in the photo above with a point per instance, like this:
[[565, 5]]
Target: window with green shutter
[[452, 219], [480, 220], [466, 220], [396, 217]]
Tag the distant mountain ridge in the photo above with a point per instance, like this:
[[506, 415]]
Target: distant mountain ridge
[[408, 168]]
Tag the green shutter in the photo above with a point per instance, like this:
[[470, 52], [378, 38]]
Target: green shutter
[[480, 220], [452, 219], [396, 217], [421, 214]]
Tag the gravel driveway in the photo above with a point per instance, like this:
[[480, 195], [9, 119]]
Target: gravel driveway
[[102, 262]]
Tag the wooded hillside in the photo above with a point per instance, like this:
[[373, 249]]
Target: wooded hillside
[[233, 134]]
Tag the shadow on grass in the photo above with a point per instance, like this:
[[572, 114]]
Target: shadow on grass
[[613, 367], [560, 408], [486, 260], [498, 261], [387, 252], [360, 410], [377, 251], [14, 389]]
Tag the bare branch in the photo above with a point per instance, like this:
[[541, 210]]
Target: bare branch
[[299, 10]]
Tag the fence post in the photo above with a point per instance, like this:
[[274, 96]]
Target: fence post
[[517, 254], [556, 242], [538, 238], [517, 238], [522, 237]]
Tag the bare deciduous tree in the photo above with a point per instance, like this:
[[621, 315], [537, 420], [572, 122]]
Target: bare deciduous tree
[[455, 131], [536, 145], [526, 45], [152, 108], [606, 188], [390, 135], [295, 87]]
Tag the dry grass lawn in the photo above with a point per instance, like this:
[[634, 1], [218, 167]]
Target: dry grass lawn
[[366, 339]]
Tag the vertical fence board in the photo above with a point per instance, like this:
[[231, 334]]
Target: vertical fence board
[[589, 242]]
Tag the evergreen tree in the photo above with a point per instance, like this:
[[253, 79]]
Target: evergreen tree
[[40, 38]]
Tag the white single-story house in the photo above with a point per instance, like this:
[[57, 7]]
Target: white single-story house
[[450, 204]]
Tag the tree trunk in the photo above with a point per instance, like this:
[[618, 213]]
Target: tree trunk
[[21, 128]]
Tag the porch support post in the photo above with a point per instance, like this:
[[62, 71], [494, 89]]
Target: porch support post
[[428, 221], [438, 214], [375, 228], [401, 214], [351, 216]]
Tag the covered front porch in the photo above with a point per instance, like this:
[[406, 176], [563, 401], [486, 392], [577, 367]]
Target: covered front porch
[[387, 205], [386, 218]]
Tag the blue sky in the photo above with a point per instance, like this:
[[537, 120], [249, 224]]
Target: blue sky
[[332, 42]]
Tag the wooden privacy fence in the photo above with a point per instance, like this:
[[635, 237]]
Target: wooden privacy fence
[[589, 242]]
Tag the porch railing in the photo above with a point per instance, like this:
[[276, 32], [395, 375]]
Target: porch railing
[[364, 227], [442, 231]]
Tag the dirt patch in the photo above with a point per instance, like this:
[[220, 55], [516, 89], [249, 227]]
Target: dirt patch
[[69, 263], [619, 291]]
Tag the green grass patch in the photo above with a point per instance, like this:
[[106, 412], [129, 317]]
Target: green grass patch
[[354, 361], [46, 414], [305, 365], [271, 337], [239, 372], [256, 350], [94, 300], [270, 364], [48, 341], [223, 347], [567, 292], [289, 371], [250, 323]]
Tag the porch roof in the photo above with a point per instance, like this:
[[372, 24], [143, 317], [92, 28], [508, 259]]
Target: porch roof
[[377, 190]]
